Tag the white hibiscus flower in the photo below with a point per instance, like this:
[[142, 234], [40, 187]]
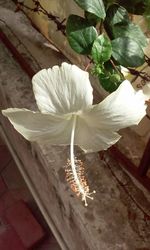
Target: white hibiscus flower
[[67, 116]]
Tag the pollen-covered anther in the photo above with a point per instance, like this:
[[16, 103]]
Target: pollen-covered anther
[[78, 183]]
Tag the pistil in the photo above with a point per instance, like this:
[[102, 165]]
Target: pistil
[[75, 171]]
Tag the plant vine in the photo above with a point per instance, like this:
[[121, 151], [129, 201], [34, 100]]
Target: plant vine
[[107, 36]]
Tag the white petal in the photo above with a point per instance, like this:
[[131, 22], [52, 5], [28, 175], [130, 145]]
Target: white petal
[[123, 108], [97, 126], [35, 126], [62, 89], [91, 138]]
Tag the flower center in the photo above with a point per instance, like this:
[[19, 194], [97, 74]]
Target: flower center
[[75, 171]]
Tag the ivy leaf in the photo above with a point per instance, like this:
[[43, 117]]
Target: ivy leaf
[[147, 12], [110, 78], [93, 6], [110, 82], [91, 18], [137, 7], [108, 3], [130, 30], [116, 14], [80, 34], [101, 50], [118, 24], [127, 52]]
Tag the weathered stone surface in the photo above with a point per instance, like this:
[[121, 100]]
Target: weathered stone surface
[[116, 219]]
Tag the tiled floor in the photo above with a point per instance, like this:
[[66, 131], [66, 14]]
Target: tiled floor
[[13, 193]]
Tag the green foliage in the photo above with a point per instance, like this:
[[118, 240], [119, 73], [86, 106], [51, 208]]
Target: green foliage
[[108, 3], [80, 34], [147, 12], [109, 76], [137, 7], [101, 50], [130, 30], [116, 15], [110, 82], [127, 52], [95, 7], [91, 18], [108, 37], [118, 24]]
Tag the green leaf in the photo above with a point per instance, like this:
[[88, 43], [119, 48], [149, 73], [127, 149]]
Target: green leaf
[[101, 50], [80, 34], [108, 3], [93, 6], [110, 82], [92, 19], [118, 24], [130, 30], [97, 69], [147, 12], [127, 52], [137, 7], [110, 79], [109, 76], [116, 14]]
